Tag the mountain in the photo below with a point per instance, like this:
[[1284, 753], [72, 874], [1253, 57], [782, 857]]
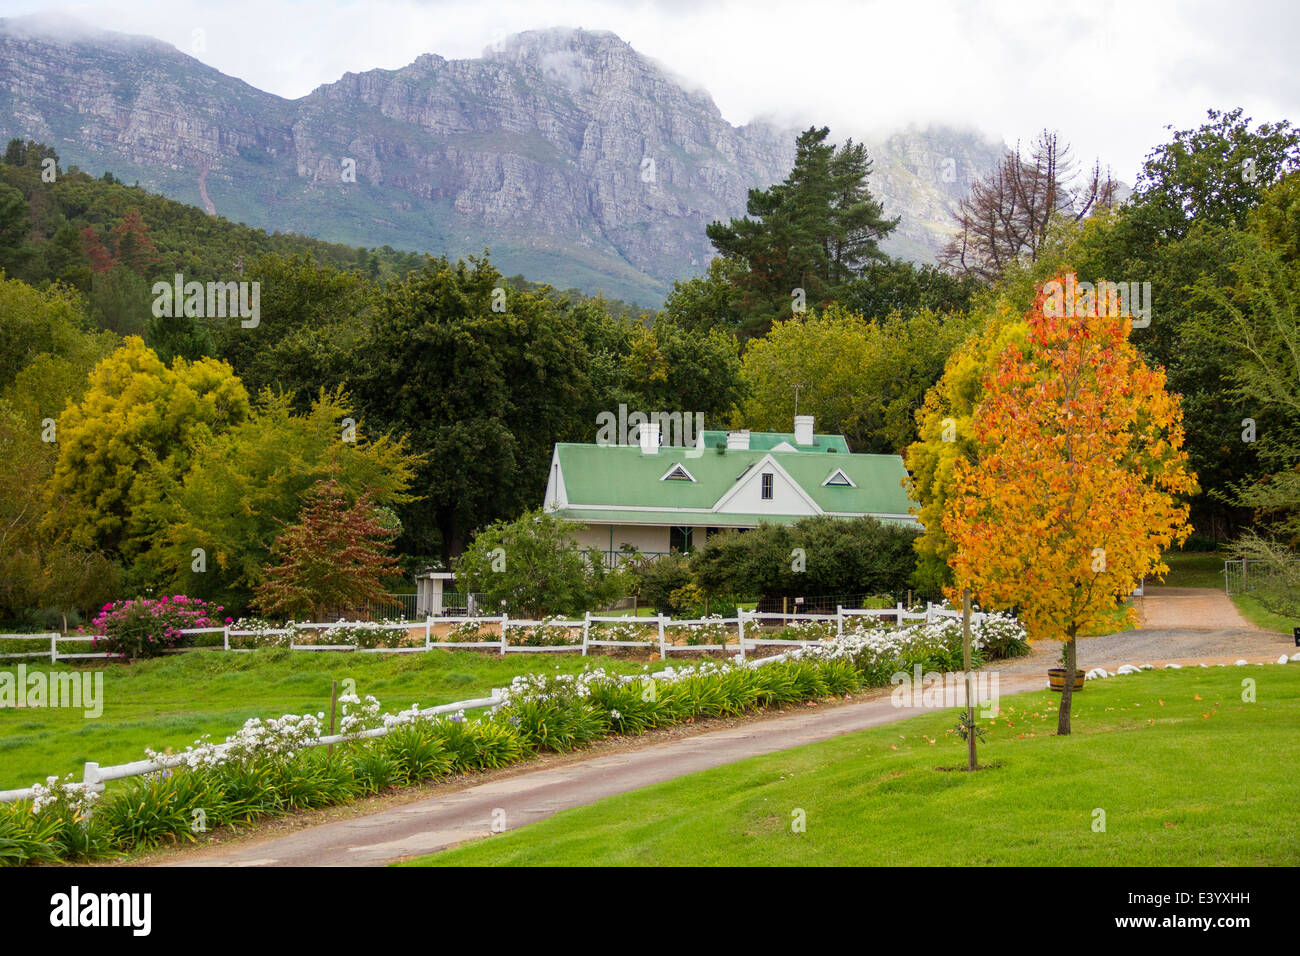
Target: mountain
[[577, 160]]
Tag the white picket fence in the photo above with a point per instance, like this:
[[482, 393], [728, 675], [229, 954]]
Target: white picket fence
[[94, 776], [661, 623]]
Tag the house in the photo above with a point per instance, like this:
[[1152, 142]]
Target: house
[[660, 498]]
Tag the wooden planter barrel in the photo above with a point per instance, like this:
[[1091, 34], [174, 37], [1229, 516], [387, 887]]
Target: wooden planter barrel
[[1056, 678]]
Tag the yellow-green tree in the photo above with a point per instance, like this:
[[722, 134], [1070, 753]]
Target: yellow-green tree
[[945, 436], [136, 415], [1073, 496], [862, 378], [247, 483]]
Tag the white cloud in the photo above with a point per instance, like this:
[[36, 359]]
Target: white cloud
[[1109, 76]]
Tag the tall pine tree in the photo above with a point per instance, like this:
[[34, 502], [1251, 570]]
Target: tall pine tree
[[815, 232]]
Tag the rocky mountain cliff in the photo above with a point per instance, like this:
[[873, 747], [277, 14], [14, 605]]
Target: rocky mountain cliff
[[577, 160]]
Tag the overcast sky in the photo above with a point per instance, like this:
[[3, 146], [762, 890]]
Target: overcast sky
[[1108, 74]]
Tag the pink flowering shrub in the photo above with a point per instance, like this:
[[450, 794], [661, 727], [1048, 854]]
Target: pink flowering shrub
[[146, 627]]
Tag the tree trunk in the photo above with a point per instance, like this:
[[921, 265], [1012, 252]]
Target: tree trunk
[[1067, 693]]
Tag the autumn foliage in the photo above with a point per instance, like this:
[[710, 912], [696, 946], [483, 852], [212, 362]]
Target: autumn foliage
[[1073, 495], [337, 554]]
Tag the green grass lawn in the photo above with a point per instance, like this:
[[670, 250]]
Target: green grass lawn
[[1193, 569], [171, 701], [1185, 771]]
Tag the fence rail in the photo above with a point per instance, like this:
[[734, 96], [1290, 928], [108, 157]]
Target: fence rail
[[660, 624], [94, 776]]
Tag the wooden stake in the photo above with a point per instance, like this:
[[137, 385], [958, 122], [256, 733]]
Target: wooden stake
[[973, 762]]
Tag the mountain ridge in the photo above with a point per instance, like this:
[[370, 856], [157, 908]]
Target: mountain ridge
[[578, 160]]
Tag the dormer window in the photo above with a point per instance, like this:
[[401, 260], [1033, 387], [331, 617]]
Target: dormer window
[[677, 473], [838, 477]]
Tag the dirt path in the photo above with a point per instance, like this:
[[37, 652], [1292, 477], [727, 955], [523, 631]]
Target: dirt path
[[1196, 608], [519, 799]]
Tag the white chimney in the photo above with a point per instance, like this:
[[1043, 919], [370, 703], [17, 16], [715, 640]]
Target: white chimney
[[803, 429], [649, 435], [738, 441]]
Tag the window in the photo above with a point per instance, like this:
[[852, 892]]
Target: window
[[677, 473], [839, 478], [767, 487]]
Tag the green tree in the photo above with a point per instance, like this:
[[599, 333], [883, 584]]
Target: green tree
[[136, 415], [708, 301], [484, 394], [1257, 319], [885, 288], [1213, 175], [15, 251], [312, 323], [862, 379], [247, 482], [813, 232], [533, 566]]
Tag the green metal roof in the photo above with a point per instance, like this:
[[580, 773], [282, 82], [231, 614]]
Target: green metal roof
[[762, 441], [622, 477]]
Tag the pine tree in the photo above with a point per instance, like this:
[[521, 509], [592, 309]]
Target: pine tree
[[814, 232]]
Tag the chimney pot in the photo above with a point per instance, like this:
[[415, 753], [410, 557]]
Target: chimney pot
[[649, 435], [803, 429]]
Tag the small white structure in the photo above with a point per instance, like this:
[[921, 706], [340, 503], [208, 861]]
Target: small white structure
[[428, 592]]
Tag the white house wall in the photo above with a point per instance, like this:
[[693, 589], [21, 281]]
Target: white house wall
[[747, 498], [645, 538]]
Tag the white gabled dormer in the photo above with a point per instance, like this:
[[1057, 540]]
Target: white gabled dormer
[[766, 488], [556, 496], [837, 477], [677, 472]]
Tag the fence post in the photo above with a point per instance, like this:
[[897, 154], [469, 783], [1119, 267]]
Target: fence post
[[225, 638], [503, 633], [586, 631], [839, 620], [929, 612], [663, 646], [428, 632], [54, 648], [898, 620], [740, 630], [90, 778], [334, 708]]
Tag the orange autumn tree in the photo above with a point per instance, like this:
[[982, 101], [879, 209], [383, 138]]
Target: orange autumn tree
[[1071, 500]]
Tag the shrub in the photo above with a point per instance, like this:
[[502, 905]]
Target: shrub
[[466, 632], [27, 837], [712, 631], [546, 634], [147, 627], [658, 580]]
